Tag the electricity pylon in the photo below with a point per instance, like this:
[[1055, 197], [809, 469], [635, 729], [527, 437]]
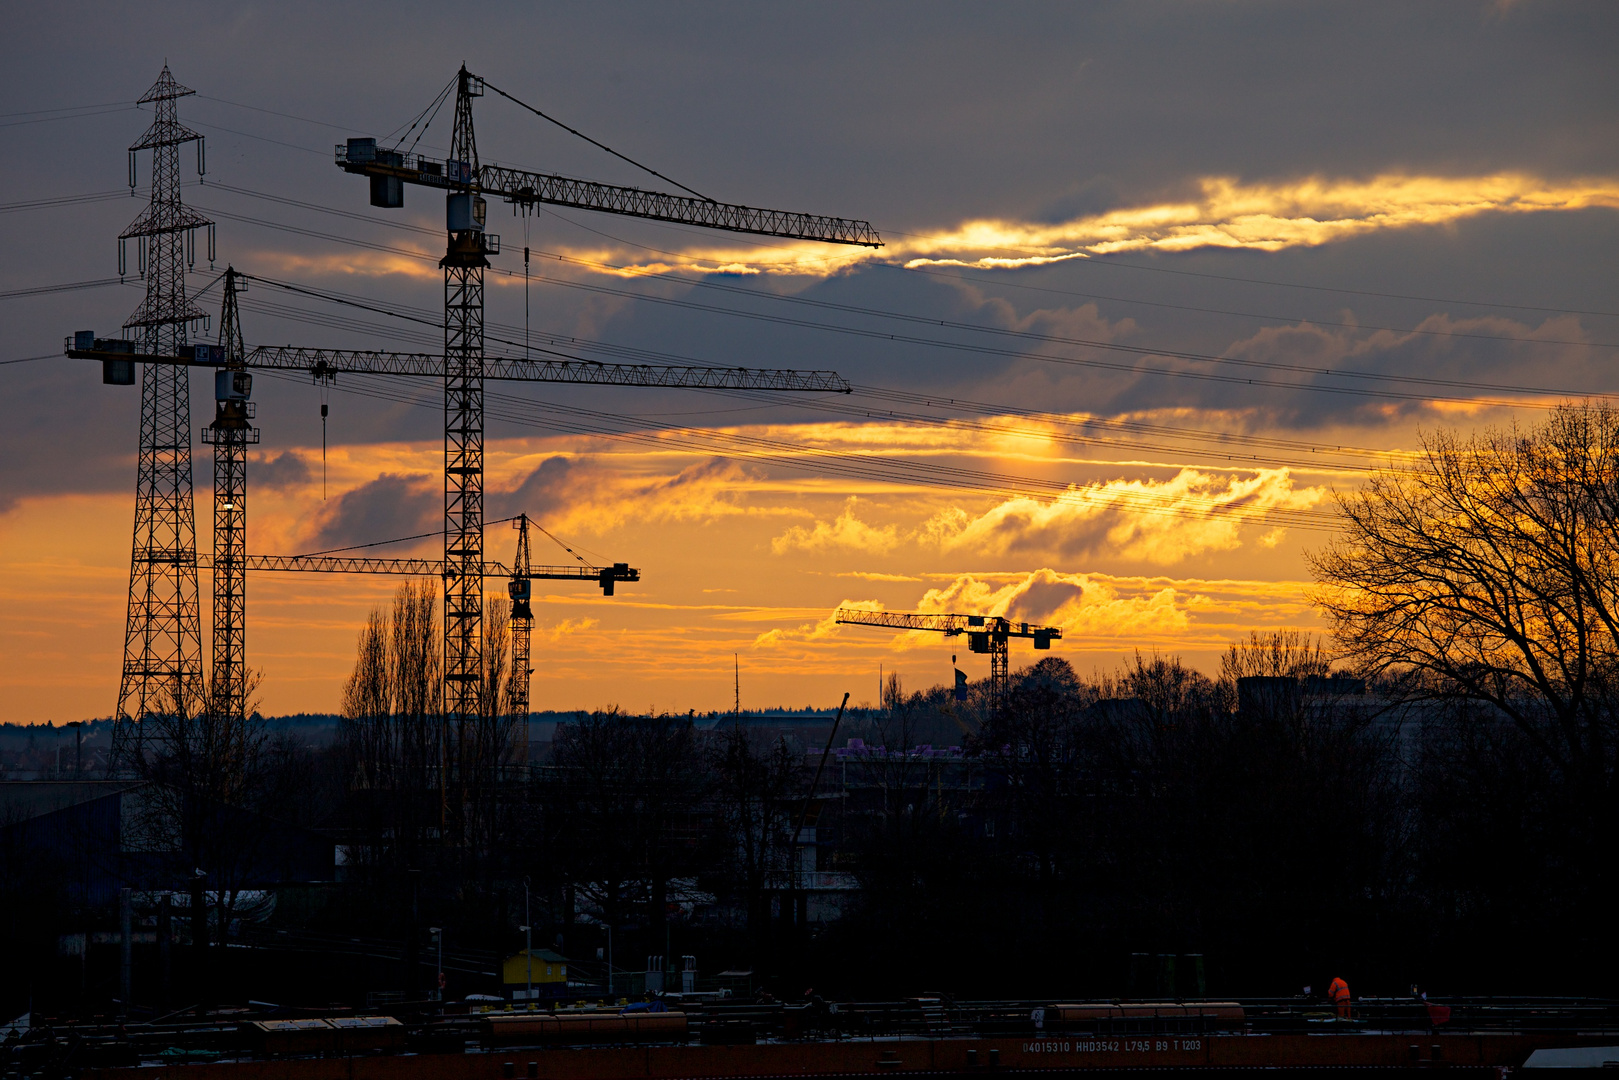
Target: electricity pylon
[[163, 633]]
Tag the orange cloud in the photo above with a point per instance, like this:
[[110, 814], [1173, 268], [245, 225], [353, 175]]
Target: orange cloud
[[1223, 212], [846, 531], [1153, 521]]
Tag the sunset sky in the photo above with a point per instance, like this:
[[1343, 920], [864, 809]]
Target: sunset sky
[[1158, 279]]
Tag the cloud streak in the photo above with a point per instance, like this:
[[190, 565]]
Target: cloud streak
[[1151, 521], [1220, 211]]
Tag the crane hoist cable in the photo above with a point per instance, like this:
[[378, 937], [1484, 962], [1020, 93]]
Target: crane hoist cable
[[431, 107], [399, 540], [555, 541], [600, 146]]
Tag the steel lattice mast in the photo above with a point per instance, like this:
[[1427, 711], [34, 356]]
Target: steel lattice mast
[[231, 434], [522, 622], [464, 263], [163, 634]]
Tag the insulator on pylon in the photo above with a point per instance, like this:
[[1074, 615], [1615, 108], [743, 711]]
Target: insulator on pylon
[[210, 245], [191, 248], [121, 257], [132, 173], [202, 160]]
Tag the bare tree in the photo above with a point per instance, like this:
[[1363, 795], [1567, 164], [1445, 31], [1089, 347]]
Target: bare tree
[[392, 729], [756, 791], [1489, 570], [1288, 654], [200, 808]]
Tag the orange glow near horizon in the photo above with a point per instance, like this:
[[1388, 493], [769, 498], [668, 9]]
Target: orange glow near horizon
[[734, 561]]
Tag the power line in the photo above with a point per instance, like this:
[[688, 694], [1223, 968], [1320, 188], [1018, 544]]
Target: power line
[[1224, 440], [64, 108], [67, 200], [1109, 261], [520, 411], [74, 116], [721, 286], [66, 286], [273, 112], [1090, 260], [1285, 319], [1135, 350]]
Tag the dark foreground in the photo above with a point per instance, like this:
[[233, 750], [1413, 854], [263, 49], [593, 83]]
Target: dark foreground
[[919, 1037]]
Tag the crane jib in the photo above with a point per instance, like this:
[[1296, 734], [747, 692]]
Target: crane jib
[[329, 362], [526, 188]]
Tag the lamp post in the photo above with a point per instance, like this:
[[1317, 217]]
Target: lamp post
[[438, 939], [528, 943]]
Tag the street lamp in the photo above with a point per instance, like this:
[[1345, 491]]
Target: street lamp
[[438, 939], [528, 944]]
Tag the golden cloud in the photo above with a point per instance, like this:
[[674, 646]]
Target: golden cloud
[[1158, 522], [846, 532], [1224, 212]]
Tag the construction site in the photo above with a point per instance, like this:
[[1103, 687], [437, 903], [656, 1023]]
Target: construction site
[[1325, 834]]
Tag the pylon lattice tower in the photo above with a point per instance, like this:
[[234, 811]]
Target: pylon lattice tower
[[231, 434], [163, 633]]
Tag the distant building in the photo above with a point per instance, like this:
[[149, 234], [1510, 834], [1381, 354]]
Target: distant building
[[90, 838], [548, 971]]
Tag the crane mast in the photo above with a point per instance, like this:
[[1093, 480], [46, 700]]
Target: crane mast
[[520, 588], [464, 263], [990, 634], [231, 433]]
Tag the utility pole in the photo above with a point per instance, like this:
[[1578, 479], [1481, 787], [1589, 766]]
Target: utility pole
[[126, 953], [528, 944], [162, 631]]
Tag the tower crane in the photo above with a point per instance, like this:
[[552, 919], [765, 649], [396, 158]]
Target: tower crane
[[465, 180], [985, 634], [519, 578], [231, 433]]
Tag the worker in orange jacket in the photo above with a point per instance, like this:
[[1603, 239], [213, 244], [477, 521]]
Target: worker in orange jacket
[[1338, 993]]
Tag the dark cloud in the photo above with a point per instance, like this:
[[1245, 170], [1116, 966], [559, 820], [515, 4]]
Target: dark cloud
[[558, 483], [1042, 596], [387, 508], [285, 470], [971, 113]]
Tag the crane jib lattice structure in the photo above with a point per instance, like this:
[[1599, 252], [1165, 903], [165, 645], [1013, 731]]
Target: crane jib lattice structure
[[465, 182], [325, 363], [990, 634]]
